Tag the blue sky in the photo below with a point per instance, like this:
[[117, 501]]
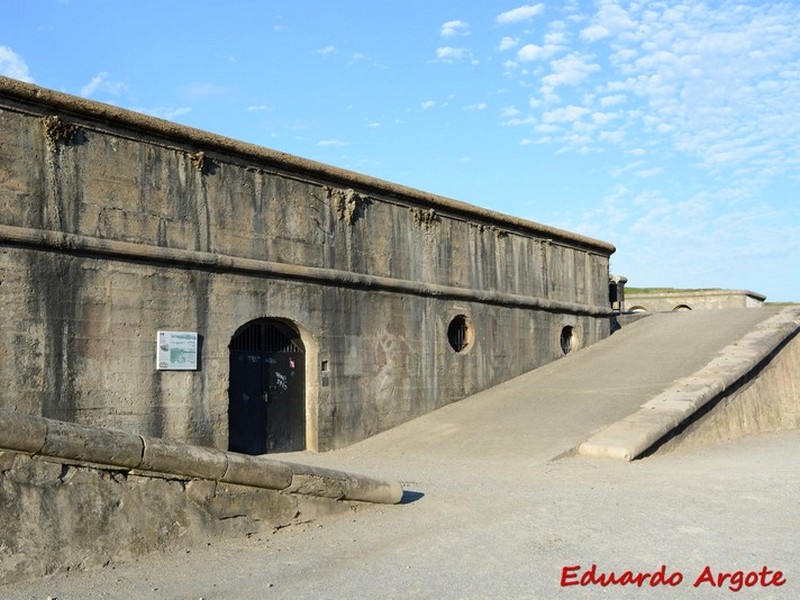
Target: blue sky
[[670, 129]]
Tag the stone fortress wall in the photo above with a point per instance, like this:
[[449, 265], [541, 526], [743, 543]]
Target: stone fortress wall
[[114, 226], [675, 300]]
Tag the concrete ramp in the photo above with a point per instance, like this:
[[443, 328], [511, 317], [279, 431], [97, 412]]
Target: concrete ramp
[[584, 397], [751, 385]]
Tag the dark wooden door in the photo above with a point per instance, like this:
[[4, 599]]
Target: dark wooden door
[[266, 410]]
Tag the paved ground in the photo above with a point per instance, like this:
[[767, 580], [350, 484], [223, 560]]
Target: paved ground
[[494, 516]]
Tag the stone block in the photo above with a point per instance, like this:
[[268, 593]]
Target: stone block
[[25, 433], [102, 446], [165, 456], [258, 472]]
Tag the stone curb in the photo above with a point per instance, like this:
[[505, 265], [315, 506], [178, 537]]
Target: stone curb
[[36, 435], [318, 481], [635, 434]]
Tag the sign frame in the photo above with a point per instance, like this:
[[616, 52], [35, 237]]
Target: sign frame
[[177, 350]]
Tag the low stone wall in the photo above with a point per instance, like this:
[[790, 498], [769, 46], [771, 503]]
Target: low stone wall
[[74, 496], [692, 300], [769, 402]]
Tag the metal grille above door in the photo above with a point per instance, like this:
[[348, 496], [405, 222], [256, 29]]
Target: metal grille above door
[[266, 336]]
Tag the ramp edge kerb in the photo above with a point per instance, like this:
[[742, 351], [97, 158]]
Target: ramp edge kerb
[[99, 447], [632, 436]]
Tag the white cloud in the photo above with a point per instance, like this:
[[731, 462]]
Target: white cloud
[[530, 52], [101, 83], [517, 121], [646, 173], [565, 114], [259, 107], [12, 65], [509, 112], [612, 100], [326, 50], [454, 28], [611, 19], [569, 70], [521, 13], [479, 106], [507, 43], [450, 54], [427, 104], [602, 118], [336, 143], [554, 42], [595, 32]]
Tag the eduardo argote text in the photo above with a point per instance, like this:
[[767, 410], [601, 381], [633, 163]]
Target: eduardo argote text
[[707, 577]]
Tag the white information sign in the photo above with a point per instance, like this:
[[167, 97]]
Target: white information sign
[[176, 351]]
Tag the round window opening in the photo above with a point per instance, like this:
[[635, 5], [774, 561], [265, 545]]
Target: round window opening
[[459, 333], [569, 339]]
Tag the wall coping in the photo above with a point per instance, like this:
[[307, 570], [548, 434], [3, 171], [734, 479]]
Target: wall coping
[[86, 445], [695, 294]]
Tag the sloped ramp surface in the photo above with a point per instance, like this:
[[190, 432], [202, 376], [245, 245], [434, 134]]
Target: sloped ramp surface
[[757, 358], [553, 409]]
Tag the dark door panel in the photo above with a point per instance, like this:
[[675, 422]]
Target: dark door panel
[[266, 411]]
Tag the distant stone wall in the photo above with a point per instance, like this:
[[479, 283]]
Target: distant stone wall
[[692, 300], [114, 225]]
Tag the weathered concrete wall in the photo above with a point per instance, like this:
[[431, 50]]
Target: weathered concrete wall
[[768, 402], [74, 496], [692, 300], [115, 225], [59, 516]]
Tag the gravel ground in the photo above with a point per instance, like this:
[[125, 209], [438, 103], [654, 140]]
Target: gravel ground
[[497, 528]]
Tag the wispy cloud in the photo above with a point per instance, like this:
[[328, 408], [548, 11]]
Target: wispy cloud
[[521, 13], [335, 143], [507, 43], [259, 107], [566, 114], [101, 83], [454, 28], [12, 65], [427, 104], [450, 54], [327, 50], [610, 19], [719, 85], [200, 91], [169, 113], [569, 70]]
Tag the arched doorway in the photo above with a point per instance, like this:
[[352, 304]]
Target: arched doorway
[[266, 395]]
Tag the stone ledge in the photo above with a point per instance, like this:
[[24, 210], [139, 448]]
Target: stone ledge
[[632, 436], [39, 436], [57, 241]]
